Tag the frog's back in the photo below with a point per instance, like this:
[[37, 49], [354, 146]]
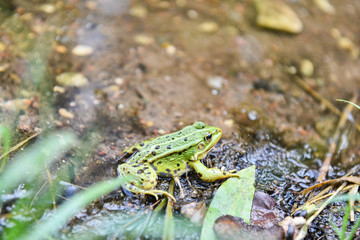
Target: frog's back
[[162, 146]]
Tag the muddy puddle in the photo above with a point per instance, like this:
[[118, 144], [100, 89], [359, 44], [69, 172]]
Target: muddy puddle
[[118, 72]]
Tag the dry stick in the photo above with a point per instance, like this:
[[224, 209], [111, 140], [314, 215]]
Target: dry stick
[[304, 228], [20, 144], [335, 139], [319, 98], [353, 192]]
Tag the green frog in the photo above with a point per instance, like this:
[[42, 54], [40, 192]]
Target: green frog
[[171, 155]]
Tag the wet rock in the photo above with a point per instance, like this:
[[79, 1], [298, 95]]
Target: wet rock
[[82, 50], [278, 16], [230, 227], [208, 27], [292, 226], [74, 79], [194, 211], [264, 211], [306, 68], [27, 123], [65, 113]]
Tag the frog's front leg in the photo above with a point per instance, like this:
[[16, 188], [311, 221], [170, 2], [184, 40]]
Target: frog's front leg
[[210, 174], [145, 179]]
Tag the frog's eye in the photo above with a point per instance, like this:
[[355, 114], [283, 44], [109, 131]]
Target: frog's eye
[[208, 137], [200, 146]]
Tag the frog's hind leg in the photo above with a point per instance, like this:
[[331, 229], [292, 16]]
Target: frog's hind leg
[[211, 174], [145, 179]]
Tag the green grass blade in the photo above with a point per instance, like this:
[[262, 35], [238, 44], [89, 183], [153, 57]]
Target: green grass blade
[[30, 162], [354, 229], [346, 219], [342, 100], [67, 210], [335, 228], [5, 135]]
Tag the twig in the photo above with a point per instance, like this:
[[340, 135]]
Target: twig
[[319, 98], [334, 141], [304, 228], [20, 144]]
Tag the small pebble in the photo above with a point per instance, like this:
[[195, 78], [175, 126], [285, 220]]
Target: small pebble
[[2, 47], [65, 113], [92, 5], [253, 115], [229, 122], [59, 89], [143, 39], [4, 66], [138, 11], [71, 79], [306, 68], [325, 6], [119, 81], [60, 49], [82, 50], [192, 14], [215, 82], [47, 8], [208, 27], [194, 211], [170, 49]]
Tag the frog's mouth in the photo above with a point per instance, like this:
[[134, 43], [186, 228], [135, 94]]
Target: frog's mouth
[[216, 135]]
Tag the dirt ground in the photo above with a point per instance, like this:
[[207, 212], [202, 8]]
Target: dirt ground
[[156, 66]]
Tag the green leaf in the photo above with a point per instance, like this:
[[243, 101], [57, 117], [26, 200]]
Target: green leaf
[[234, 197]]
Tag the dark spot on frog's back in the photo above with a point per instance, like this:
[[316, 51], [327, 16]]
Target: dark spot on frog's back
[[157, 147], [199, 174], [185, 139], [142, 144], [140, 171], [153, 153], [159, 163], [168, 147], [168, 170], [178, 164]]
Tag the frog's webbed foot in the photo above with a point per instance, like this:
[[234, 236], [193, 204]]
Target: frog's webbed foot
[[134, 189], [230, 173], [155, 192], [177, 180]]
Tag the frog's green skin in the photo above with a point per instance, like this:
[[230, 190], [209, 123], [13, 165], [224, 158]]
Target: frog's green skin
[[171, 155]]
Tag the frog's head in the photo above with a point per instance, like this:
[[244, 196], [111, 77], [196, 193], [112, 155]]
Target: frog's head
[[208, 136]]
